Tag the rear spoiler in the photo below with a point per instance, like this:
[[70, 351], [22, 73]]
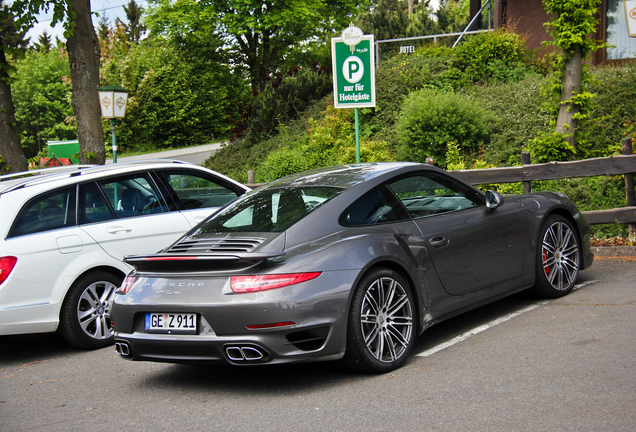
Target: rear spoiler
[[167, 262]]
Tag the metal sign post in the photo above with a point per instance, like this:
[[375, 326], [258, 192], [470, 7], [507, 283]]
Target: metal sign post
[[353, 63]]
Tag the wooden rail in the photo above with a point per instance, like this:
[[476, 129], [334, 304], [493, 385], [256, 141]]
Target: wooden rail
[[624, 164]]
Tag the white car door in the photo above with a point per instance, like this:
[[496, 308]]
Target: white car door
[[128, 216]]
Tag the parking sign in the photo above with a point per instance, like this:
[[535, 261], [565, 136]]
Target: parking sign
[[353, 71]]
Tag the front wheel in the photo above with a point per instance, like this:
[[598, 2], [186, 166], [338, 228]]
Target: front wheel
[[558, 258], [380, 333], [85, 316]]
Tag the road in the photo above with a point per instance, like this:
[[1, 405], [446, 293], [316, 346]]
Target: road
[[196, 155], [519, 364]]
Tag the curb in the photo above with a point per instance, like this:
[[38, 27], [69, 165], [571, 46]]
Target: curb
[[614, 251]]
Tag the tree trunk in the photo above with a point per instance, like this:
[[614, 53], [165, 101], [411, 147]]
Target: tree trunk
[[572, 71], [83, 54], [10, 146]]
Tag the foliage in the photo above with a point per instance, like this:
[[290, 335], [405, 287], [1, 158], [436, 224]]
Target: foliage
[[550, 146], [592, 193], [571, 24], [42, 98], [390, 19], [572, 21], [134, 29], [429, 120], [179, 97], [611, 109], [453, 15], [519, 117], [500, 55], [12, 43], [261, 33], [330, 141], [278, 105]]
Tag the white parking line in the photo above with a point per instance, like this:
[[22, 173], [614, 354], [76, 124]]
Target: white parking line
[[488, 325]]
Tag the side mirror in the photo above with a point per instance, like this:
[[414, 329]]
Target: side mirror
[[493, 199]]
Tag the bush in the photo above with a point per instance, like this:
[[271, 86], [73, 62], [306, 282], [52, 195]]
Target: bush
[[498, 55], [611, 109], [330, 141], [278, 105], [520, 117], [592, 193], [430, 120]]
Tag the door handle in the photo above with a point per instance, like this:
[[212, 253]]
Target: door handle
[[438, 242], [116, 229]]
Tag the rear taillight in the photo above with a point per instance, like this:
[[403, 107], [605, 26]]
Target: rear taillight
[[126, 285], [247, 284], [7, 263]]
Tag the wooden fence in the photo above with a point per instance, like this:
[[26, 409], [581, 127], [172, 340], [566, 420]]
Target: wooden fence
[[624, 164]]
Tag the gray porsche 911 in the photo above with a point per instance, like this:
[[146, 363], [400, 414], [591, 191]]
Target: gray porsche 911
[[347, 263]]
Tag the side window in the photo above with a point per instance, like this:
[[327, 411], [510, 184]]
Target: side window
[[433, 193], [93, 206], [133, 196], [46, 212], [196, 190], [377, 206]]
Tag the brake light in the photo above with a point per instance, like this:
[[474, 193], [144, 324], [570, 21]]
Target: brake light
[[126, 285], [7, 263], [273, 325], [247, 284]]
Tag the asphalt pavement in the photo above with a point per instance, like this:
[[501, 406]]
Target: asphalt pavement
[[519, 364], [196, 155]]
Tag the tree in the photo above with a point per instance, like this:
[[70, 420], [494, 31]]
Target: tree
[[182, 93], [44, 42], [103, 28], [573, 21], [12, 157], [134, 29], [83, 54], [42, 98], [261, 33], [388, 19], [83, 49]]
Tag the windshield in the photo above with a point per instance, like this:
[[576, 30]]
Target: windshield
[[269, 210]]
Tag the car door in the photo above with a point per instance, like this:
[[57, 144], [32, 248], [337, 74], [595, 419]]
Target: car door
[[127, 215], [472, 247], [196, 194], [47, 241]]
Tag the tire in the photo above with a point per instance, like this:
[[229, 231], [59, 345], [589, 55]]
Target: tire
[[85, 315], [558, 258], [380, 332]]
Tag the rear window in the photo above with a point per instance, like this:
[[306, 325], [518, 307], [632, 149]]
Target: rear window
[[50, 211], [269, 210]]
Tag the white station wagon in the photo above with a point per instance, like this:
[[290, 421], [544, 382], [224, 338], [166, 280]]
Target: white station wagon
[[65, 231]]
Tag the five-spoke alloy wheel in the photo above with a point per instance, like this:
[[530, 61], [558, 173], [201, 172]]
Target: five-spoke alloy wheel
[[85, 316]]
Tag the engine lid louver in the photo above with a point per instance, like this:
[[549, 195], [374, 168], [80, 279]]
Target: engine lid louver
[[216, 245]]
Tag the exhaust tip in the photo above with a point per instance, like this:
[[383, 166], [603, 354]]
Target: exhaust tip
[[244, 353], [122, 349]]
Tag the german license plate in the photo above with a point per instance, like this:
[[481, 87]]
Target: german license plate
[[171, 322]]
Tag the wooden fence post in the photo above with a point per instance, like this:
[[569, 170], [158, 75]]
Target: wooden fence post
[[250, 177], [525, 159], [629, 184]]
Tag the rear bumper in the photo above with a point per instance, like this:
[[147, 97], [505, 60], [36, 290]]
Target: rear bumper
[[319, 341]]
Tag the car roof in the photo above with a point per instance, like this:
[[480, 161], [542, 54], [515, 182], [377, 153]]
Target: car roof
[[14, 181], [345, 176]]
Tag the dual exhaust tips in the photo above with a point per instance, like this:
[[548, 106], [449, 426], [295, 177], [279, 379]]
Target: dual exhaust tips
[[234, 353], [122, 348]]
